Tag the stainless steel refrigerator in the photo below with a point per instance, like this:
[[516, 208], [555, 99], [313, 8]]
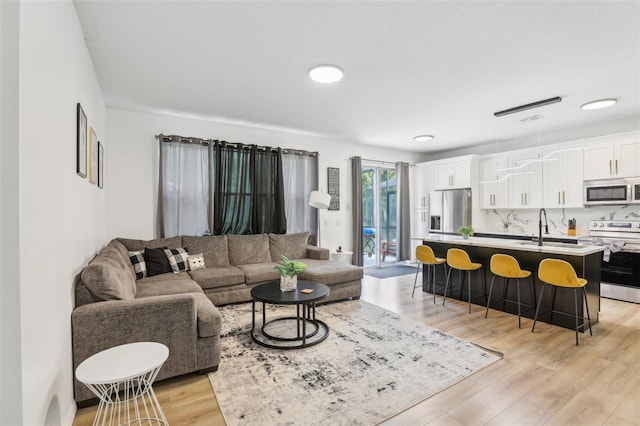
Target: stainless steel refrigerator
[[449, 210]]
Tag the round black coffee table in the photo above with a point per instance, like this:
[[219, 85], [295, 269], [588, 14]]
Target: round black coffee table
[[270, 293]]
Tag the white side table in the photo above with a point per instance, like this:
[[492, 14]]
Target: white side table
[[343, 256], [122, 377]]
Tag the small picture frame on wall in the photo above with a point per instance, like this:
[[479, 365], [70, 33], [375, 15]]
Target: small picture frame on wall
[[100, 165], [81, 142], [93, 155]]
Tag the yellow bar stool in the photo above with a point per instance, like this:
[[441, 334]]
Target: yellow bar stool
[[507, 267], [559, 273], [426, 257], [459, 259]]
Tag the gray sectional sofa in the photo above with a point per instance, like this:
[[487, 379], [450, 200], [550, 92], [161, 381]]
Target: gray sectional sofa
[[179, 309]]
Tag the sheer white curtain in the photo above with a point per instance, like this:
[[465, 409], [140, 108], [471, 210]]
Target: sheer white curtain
[[184, 206], [300, 176]]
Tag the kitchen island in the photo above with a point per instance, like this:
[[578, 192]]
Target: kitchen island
[[584, 259]]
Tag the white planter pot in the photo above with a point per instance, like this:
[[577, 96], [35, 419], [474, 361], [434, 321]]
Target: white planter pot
[[288, 283]]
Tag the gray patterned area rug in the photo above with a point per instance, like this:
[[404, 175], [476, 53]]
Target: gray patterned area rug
[[373, 365]]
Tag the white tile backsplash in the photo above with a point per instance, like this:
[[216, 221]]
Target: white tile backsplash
[[525, 221]]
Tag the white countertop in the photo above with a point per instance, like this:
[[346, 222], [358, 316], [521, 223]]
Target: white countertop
[[512, 244]]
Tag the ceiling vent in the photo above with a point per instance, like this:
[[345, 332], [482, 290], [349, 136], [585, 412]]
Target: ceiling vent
[[532, 118]]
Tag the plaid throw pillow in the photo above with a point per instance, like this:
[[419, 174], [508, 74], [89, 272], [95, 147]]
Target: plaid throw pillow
[[178, 259], [196, 261], [139, 265]]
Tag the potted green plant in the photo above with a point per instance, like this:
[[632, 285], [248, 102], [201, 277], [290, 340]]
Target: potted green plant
[[289, 271], [465, 231]]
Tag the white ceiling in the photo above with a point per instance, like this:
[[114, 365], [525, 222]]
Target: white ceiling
[[419, 67]]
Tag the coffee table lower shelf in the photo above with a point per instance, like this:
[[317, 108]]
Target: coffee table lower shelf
[[305, 329], [301, 340]]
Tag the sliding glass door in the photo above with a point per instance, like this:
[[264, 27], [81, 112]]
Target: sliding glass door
[[379, 215]]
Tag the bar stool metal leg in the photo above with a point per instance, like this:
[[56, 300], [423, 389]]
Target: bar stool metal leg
[[575, 299], [535, 317], [486, 312], [586, 304], [469, 288], [518, 291], [446, 286], [434, 282], [415, 281]]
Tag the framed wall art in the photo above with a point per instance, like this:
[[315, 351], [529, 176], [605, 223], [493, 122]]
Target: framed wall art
[[93, 155], [100, 165], [333, 181], [81, 142]]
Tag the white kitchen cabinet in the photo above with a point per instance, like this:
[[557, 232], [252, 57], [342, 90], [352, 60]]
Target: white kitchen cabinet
[[562, 177], [617, 159], [494, 193], [420, 229], [525, 180], [421, 223], [423, 184], [453, 175]]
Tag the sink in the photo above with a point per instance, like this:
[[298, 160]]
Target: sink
[[548, 244]]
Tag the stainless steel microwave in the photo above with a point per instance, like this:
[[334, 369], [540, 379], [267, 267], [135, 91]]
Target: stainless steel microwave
[[618, 191]]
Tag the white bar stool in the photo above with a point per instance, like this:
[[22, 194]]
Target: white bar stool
[[122, 378]]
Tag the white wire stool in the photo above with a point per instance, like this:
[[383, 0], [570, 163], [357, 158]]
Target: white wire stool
[[122, 378]]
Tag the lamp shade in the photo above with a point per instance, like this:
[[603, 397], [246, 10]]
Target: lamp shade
[[319, 200]]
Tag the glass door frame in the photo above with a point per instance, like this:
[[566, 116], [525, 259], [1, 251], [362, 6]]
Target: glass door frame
[[377, 213]]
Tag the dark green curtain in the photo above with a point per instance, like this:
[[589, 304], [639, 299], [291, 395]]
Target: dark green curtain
[[248, 190]]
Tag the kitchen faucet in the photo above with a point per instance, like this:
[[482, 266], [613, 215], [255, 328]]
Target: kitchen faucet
[[546, 225]]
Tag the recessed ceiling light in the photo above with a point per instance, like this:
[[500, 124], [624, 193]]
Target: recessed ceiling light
[[326, 73], [423, 138], [599, 104]]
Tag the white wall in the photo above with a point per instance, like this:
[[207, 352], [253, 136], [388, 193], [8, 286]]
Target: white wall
[[132, 168], [62, 216], [10, 362]]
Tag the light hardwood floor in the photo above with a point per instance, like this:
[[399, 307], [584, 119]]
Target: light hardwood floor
[[544, 378]]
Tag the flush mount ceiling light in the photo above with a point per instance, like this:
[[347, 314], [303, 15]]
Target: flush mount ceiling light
[[528, 106], [423, 138], [326, 74], [599, 104]]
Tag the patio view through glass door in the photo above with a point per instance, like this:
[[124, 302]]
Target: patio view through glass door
[[379, 215]]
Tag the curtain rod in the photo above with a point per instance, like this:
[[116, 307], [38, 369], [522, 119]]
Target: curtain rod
[[199, 141], [383, 162]]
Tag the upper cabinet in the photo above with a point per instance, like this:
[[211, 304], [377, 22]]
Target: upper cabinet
[[424, 183], [562, 176], [617, 159], [453, 175], [525, 180], [493, 186]]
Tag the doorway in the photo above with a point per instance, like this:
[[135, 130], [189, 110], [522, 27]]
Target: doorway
[[379, 216]]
